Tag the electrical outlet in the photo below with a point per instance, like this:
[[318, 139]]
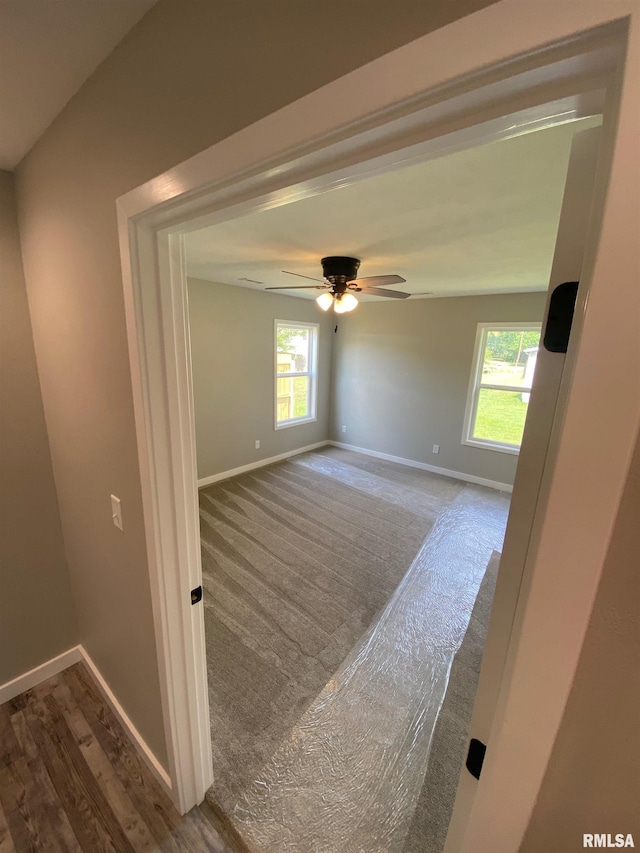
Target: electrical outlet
[[436, 448], [116, 512], [343, 428], [256, 444]]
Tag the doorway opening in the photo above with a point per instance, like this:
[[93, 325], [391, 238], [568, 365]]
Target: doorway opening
[[232, 179], [348, 584]]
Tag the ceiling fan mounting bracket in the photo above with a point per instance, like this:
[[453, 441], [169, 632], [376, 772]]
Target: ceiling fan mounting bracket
[[340, 270]]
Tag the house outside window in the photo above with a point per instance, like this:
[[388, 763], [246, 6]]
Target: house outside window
[[503, 369], [296, 357]]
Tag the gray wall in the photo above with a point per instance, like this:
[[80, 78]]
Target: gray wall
[[402, 374], [189, 74], [37, 617], [592, 782], [232, 347]]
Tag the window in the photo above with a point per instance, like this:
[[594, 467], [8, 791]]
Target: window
[[296, 359], [503, 368]]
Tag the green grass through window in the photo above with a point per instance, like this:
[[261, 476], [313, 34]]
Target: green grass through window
[[500, 417], [300, 404]]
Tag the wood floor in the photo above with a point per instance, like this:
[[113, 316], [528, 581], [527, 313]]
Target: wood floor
[[70, 780]]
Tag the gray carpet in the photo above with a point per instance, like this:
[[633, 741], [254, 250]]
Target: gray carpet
[[428, 830], [298, 559], [349, 775]]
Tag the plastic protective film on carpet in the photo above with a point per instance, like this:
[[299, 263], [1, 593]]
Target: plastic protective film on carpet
[[348, 776]]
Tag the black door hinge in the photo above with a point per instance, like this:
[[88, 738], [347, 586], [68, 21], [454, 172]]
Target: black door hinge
[[560, 317], [475, 757], [196, 595]]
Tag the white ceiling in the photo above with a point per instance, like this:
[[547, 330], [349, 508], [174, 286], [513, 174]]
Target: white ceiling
[[478, 221], [48, 48]]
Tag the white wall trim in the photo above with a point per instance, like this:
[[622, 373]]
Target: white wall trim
[[78, 654], [136, 738], [259, 463], [11, 689], [412, 463]]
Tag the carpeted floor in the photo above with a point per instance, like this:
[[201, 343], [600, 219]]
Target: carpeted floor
[[348, 776], [299, 560]]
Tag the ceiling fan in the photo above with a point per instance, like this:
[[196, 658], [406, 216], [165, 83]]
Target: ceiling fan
[[340, 283]]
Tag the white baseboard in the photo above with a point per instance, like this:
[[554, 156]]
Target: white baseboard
[[38, 674], [411, 463], [260, 463], [77, 654], [143, 749]]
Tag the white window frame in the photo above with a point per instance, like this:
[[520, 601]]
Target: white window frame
[[476, 384], [311, 372]]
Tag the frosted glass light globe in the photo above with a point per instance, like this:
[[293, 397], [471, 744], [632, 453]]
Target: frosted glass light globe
[[325, 301], [349, 302]]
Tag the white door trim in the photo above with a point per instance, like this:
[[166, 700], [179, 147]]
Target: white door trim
[[419, 100]]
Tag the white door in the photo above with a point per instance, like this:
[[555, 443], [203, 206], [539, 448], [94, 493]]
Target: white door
[[536, 461]]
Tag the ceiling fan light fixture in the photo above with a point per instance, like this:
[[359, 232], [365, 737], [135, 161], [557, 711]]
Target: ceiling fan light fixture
[[348, 302], [339, 278], [325, 301]]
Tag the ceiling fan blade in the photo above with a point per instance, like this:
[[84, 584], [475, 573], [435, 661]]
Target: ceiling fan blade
[[311, 278], [378, 280], [301, 287], [375, 291]]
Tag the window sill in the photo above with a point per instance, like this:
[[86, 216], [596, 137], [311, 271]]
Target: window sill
[[492, 445], [296, 422]]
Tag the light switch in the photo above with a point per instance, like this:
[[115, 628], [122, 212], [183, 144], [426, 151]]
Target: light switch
[[116, 512]]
